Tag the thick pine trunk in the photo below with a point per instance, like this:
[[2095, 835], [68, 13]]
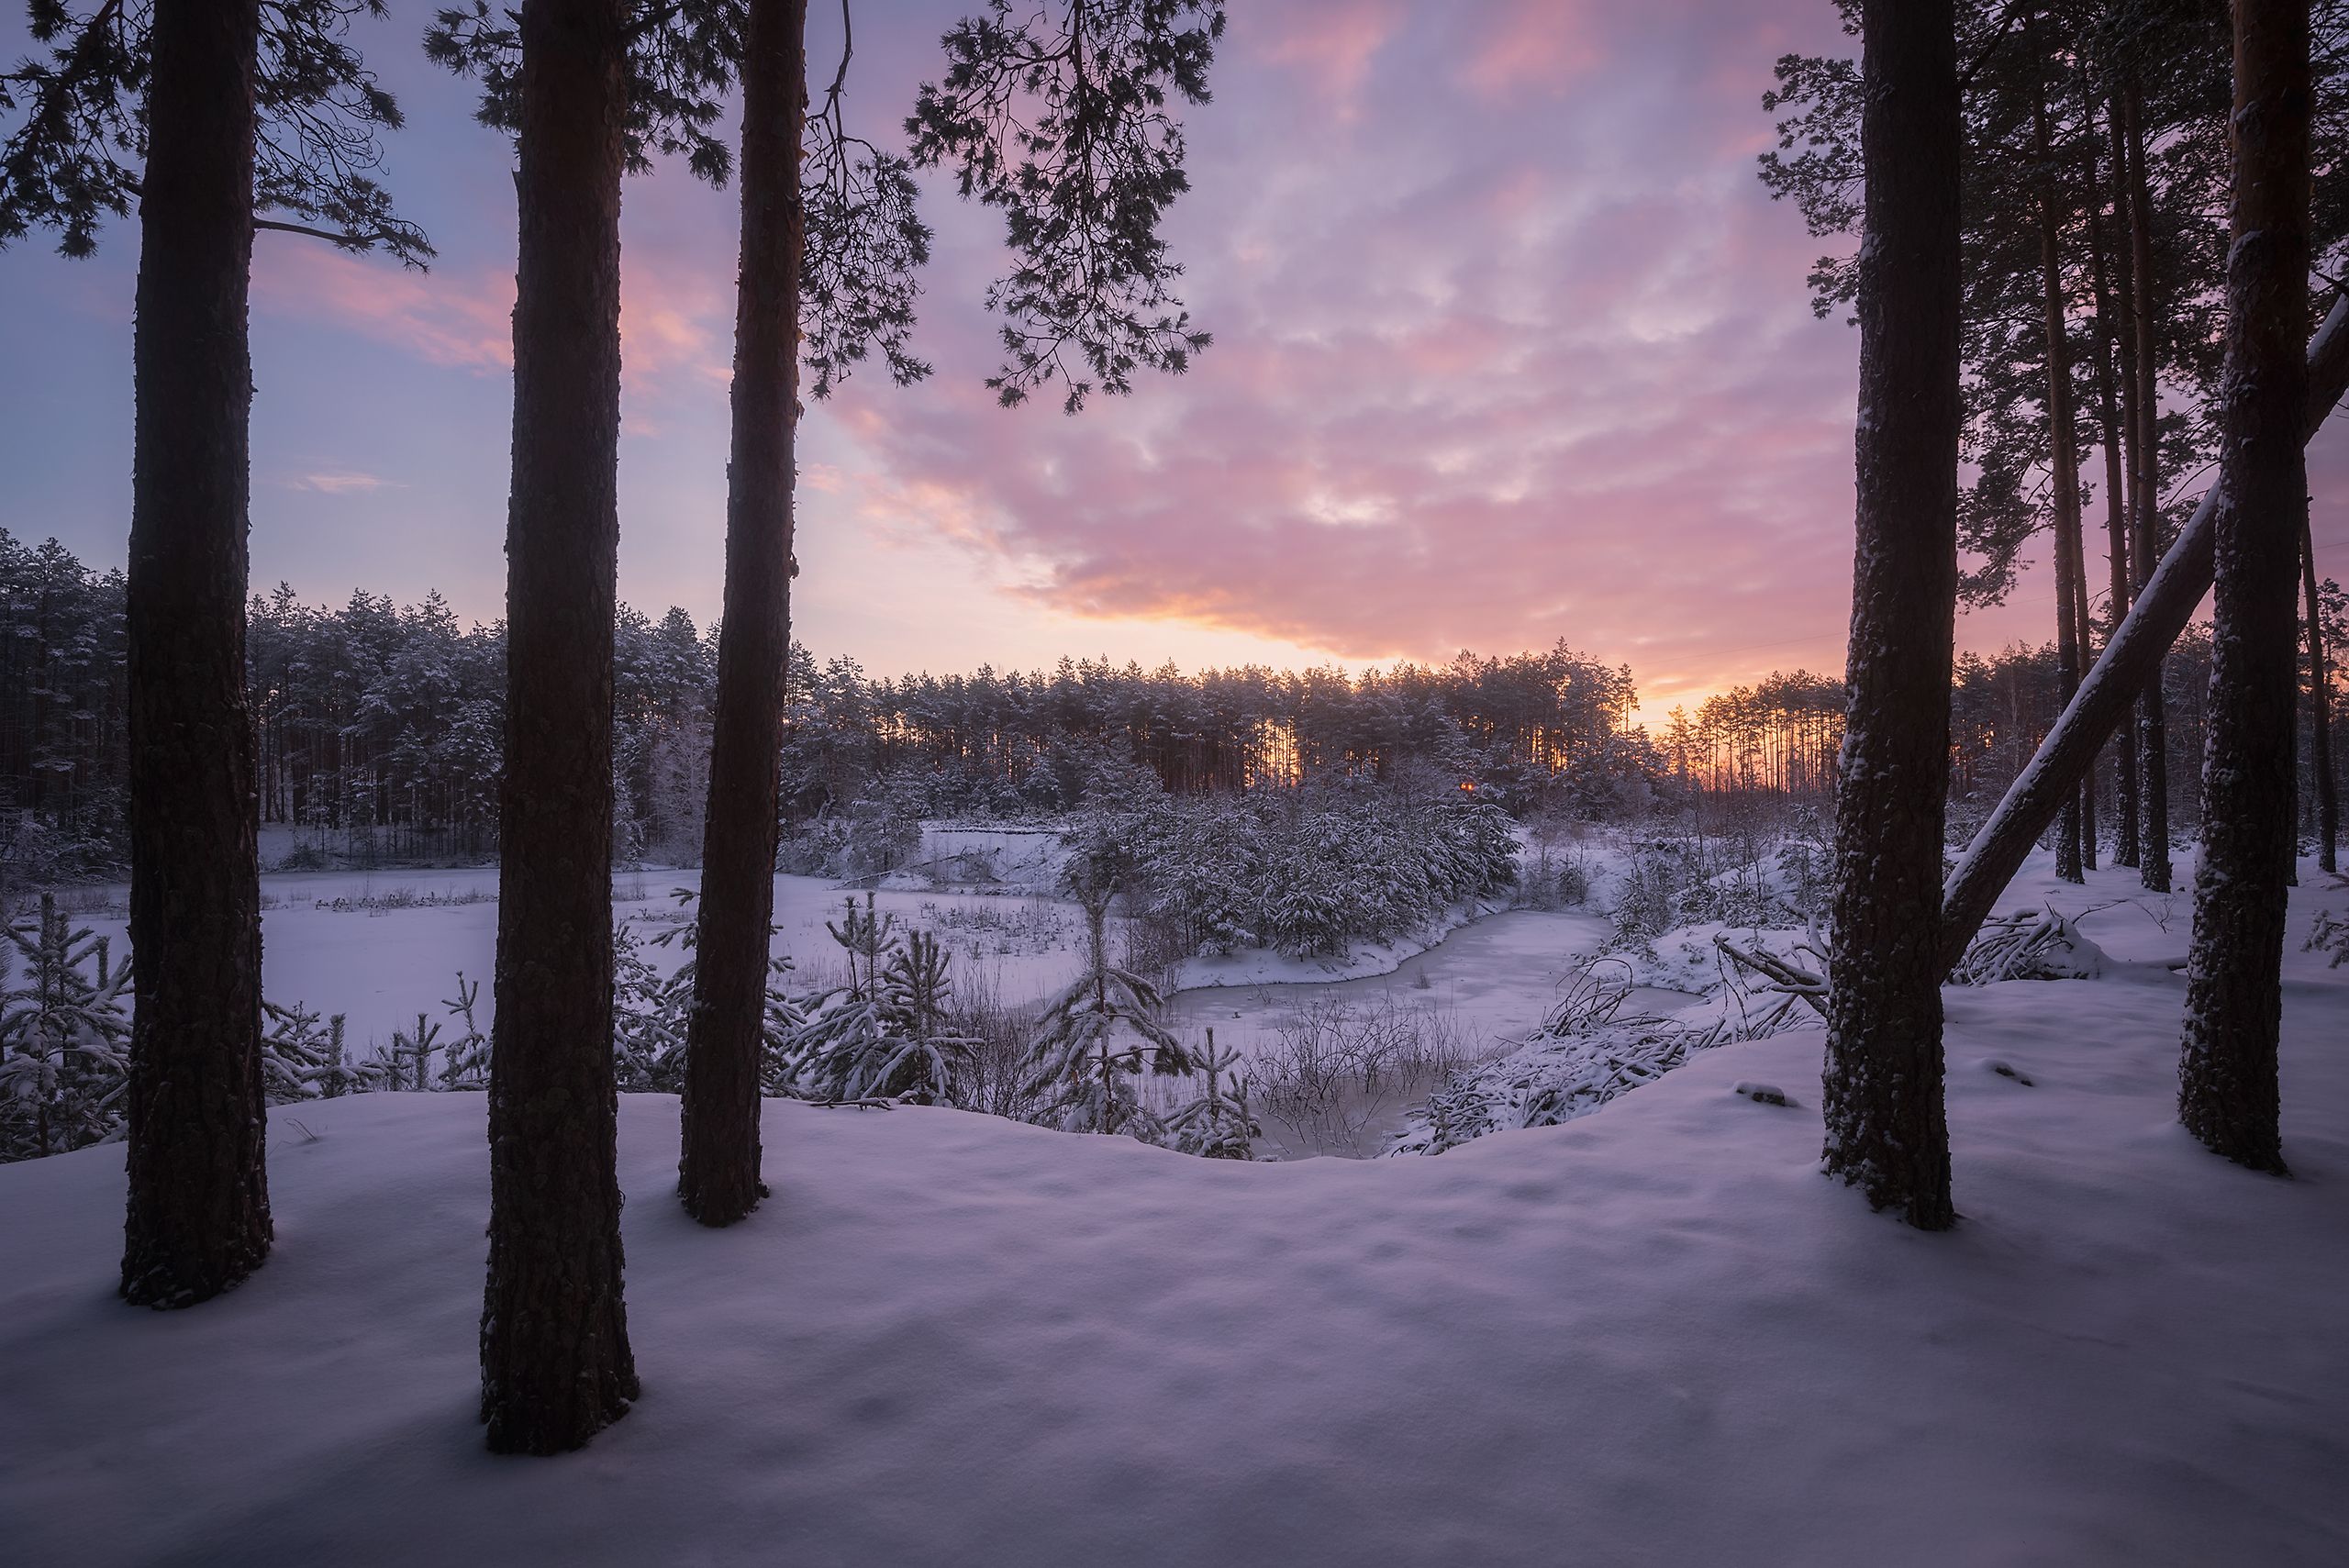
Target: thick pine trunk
[[555, 1361], [718, 1173], [198, 1215], [2144, 542], [2071, 623], [2130, 658], [1887, 1132], [2226, 1080], [2328, 800]]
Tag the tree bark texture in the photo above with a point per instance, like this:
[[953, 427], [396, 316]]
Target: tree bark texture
[[556, 1366], [2071, 625], [2328, 798], [2110, 343], [2227, 1090], [1886, 1132], [2144, 544], [198, 1217], [719, 1172], [2130, 658]]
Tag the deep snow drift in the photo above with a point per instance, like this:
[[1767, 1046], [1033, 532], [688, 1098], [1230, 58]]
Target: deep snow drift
[[1654, 1335]]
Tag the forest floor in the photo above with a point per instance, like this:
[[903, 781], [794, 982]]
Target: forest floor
[[1653, 1335]]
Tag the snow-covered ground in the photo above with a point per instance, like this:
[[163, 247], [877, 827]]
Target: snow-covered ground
[[1653, 1335], [381, 946]]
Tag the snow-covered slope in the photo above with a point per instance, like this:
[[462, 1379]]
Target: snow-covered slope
[[1653, 1336]]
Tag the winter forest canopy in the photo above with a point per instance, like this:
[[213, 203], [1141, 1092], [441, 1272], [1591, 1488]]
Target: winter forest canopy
[[1271, 1088]]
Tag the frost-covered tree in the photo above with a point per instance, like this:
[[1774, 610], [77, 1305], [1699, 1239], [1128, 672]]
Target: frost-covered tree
[[2227, 1095], [65, 1036], [468, 1064], [1217, 1124], [1887, 1128], [1079, 1063], [851, 1043]]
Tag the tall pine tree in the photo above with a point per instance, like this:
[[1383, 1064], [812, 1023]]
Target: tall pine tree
[[1887, 1128], [2227, 1084], [207, 116]]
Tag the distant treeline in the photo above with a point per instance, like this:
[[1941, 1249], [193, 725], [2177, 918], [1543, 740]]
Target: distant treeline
[[378, 729]]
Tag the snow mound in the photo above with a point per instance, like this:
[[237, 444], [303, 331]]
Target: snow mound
[[1656, 1335]]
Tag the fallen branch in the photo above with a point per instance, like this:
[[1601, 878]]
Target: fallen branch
[[1779, 974]]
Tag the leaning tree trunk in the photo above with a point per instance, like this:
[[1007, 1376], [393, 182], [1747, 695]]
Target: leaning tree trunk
[[2064, 465], [2328, 800], [2130, 658], [1886, 1131], [2144, 544], [198, 1215], [555, 1361], [2226, 1077], [718, 1175]]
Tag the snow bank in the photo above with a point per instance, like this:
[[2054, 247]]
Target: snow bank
[[1653, 1336]]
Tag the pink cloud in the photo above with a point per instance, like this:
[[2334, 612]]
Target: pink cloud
[[1532, 43], [440, 318], [1332, 43]]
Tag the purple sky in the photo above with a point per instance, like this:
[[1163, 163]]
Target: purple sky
[[1511, 346]]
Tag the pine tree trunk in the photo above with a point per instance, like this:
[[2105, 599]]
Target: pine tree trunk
[[2130, 658], [555, 1361], [2084, 622], [2071, 626], [198, 1215], [2328, 800], [2144, 544], [2227, 1092], [719, 1172], [2116, 510], [1886, 1126]]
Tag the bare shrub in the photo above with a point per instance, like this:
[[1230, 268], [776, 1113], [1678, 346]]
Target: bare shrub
[[1333, 1068]]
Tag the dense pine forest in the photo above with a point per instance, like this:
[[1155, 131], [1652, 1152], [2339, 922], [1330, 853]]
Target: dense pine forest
[[377, 729]]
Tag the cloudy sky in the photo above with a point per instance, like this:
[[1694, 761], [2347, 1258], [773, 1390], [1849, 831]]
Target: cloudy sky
[[1510, 347]]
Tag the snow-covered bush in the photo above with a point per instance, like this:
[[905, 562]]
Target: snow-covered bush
[[2329, 933], [1587, 1053], [1309, 872], [2027, 946], [305, 1057]]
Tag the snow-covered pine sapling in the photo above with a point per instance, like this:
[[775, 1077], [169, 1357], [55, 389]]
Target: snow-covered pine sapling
[[342, 1074], [64, 1038], [784, 1017], [468, 1064], [2329, 934], [844, 1049], [1217, 1125], [866, 936], [411, 1054], [1078, 1064], [648, 1017], [915, 989], [296, 1051]]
